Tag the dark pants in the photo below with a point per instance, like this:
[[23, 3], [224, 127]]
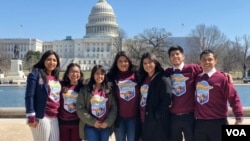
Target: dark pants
[[182, 124], [209, 130], [69, 133]]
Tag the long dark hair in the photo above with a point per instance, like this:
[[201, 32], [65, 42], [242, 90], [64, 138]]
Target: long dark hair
[[41, 68], [65, 80], [105, 85], [142, 73], [112, 74]]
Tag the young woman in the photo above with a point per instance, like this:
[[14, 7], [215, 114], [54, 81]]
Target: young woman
[[68, 119], [42, 98], [96, 107], [155, 91], [126, 90]]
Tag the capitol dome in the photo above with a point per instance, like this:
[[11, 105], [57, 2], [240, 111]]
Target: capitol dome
[[102, 21]]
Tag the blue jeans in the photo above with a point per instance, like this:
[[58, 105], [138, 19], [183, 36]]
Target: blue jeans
[[126, 130], [97, 134]]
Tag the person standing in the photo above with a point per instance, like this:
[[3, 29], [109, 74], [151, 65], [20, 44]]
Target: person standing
[[213, 93], [96, 107], [42, 98], [123, 75], [183, 82], [68, 120], [155, 89]]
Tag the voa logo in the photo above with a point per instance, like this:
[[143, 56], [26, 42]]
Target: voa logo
[[236, 132]]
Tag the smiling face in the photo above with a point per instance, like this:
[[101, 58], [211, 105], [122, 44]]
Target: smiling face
[[99, 77], [207, 62], [123, 64], [149, 66], [50, 63], [176, 57], [74, 75]]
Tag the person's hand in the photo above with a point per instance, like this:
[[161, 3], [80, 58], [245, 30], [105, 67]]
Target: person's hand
[[33, 125], [97, 124], [104, 125], [238, 122], [32, 121], [229, 77]]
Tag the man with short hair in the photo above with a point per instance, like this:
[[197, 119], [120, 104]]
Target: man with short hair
[[183, 99], [213, 93]]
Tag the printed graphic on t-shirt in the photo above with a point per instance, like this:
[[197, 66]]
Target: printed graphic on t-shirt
[[179, 84], [127, 89], [144, 94], [98, 105], [55, 88], [202, 92], [70, 100]]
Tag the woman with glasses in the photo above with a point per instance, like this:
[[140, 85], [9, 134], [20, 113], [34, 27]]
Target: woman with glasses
[[68, 119]]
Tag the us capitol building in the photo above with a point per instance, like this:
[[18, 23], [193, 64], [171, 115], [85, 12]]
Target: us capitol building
[[96, 47]]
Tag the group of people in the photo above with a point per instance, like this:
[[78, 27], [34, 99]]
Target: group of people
[[144, 103]]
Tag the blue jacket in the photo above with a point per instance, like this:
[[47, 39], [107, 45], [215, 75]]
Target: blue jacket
[[36, 95]]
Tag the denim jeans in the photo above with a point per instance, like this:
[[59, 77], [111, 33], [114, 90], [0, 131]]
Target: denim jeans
[[97, 134], [126, 130]]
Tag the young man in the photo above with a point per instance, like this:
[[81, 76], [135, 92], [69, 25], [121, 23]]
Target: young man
[[213, 93], [183, 99]]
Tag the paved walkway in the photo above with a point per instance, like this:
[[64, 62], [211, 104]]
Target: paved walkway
[[15, 129]]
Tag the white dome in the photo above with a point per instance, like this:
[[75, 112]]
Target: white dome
[[102, 21]]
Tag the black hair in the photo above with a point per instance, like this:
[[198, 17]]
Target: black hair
[[42, 69], [207, 51], [176, 47], [112, 74], [65, 80], [142, 73], [105, 85]]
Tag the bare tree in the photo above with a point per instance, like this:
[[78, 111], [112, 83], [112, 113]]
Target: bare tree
[[232, 59], [5, 64], [156, 40], [4, 60], [118, 41], [194, 49], [135, 49], [208, 38], [246, 44]]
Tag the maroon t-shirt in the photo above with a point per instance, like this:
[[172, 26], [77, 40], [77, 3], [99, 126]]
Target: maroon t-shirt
[[183, 83], [128, 95], [213, 95], [67, 110], [99, 104], [53, 101]]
